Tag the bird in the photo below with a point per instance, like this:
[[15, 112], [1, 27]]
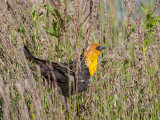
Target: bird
[[58, 73]]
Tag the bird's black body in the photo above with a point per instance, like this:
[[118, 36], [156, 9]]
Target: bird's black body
[[58, 74]]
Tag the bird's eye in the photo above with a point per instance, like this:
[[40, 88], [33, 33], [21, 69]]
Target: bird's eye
[[98, 48]]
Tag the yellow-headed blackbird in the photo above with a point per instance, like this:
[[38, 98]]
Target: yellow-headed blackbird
[[88, 67]]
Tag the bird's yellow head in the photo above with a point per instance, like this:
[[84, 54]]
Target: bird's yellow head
[[91, 54]]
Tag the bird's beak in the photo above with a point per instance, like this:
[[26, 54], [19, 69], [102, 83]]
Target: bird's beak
[[102, 47]]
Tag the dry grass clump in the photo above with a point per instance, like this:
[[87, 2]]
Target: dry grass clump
[[127, 82]]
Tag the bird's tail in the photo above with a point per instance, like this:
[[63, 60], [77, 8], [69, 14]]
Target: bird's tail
[[42, 63], [28, 54]]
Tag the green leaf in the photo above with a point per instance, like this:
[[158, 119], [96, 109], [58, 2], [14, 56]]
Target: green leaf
[[34, 15], [21, 30], [69, 18], [144, 8]]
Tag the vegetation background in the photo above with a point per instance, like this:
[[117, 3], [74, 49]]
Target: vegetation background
[[127, 82]]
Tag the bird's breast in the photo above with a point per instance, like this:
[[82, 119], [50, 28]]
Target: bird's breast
[[91, 63]]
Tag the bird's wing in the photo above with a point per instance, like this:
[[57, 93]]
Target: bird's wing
[[50, 69]]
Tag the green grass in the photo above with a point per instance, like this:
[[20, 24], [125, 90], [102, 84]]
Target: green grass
[[125, 86]]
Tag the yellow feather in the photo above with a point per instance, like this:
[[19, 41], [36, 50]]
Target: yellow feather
[[91, 60]]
